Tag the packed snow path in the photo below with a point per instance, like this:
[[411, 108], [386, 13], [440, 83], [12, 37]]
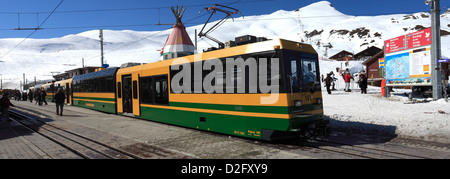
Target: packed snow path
[[373, 114]]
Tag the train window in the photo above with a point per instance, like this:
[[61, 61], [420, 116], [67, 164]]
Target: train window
[[293, 75], [119, 90], [135, 91], [91, 86], [101, 85], [110, 84], [146, 90], [83, 86], [309, 71], [241, 77], [79, 86], [161, 90]]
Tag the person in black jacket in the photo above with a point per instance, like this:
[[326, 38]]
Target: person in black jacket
[[44, 94], [59, 100], [5, 103], [363, 82], [328, 81]]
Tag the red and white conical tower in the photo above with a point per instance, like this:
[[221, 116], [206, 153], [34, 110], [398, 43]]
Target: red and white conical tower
[[178, 43]]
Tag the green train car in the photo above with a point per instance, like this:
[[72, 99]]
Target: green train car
[[95, 90]]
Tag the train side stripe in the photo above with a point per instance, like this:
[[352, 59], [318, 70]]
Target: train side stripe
[[93, 98], [229, 99], [235, 107], [235, 113], [97, 95], [99, 101]]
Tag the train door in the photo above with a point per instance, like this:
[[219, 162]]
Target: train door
[[128, 95], [135, 92], [68, 94], [127, 103]]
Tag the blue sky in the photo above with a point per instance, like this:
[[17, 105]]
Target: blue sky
[[76, 16]]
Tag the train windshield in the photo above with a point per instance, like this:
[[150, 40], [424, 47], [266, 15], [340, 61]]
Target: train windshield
[[309, 71], [304, 73]]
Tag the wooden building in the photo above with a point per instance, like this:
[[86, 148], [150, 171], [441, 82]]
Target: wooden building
[[71, 73], [342, 56], [367, 53], [373, 71]]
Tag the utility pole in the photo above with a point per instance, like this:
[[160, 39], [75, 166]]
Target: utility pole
[[436, 75], [101, 46], [23, 82], [195, 39]]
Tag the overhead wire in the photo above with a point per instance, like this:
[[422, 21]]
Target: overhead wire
[[193, 23], [131, 25], [186, 22], [135, 9], [33, 31], [239, 1]]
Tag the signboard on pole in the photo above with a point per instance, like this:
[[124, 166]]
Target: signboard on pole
[[443, 60], [408, 59]]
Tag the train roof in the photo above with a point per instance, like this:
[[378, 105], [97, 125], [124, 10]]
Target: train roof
[[109, 72], [252, 48], [64, 81]]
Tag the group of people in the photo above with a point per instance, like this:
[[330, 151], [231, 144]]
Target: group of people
[[39, 96], [362, 81], [59, 99], [5, 102], [20, 96]]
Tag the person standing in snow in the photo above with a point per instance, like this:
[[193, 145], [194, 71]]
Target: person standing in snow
[[328, 81], [363, 82], [347, 77], [332, 82]]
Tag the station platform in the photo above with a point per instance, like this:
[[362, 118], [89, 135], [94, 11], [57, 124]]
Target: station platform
[[125, 132], [119, 131]]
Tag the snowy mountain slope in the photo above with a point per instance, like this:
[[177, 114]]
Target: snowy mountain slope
[[318, 24]]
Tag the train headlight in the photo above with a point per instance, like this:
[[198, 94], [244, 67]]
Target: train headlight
[[298, 104]]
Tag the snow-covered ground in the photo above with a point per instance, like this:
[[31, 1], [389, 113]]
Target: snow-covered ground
[[371, 113]]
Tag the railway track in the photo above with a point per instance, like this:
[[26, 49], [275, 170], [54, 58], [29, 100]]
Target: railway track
[[359, 151], [333, 149], [82, 146]]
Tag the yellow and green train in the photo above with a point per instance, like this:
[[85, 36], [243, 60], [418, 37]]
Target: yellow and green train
[[272, 91], [51, 89]]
